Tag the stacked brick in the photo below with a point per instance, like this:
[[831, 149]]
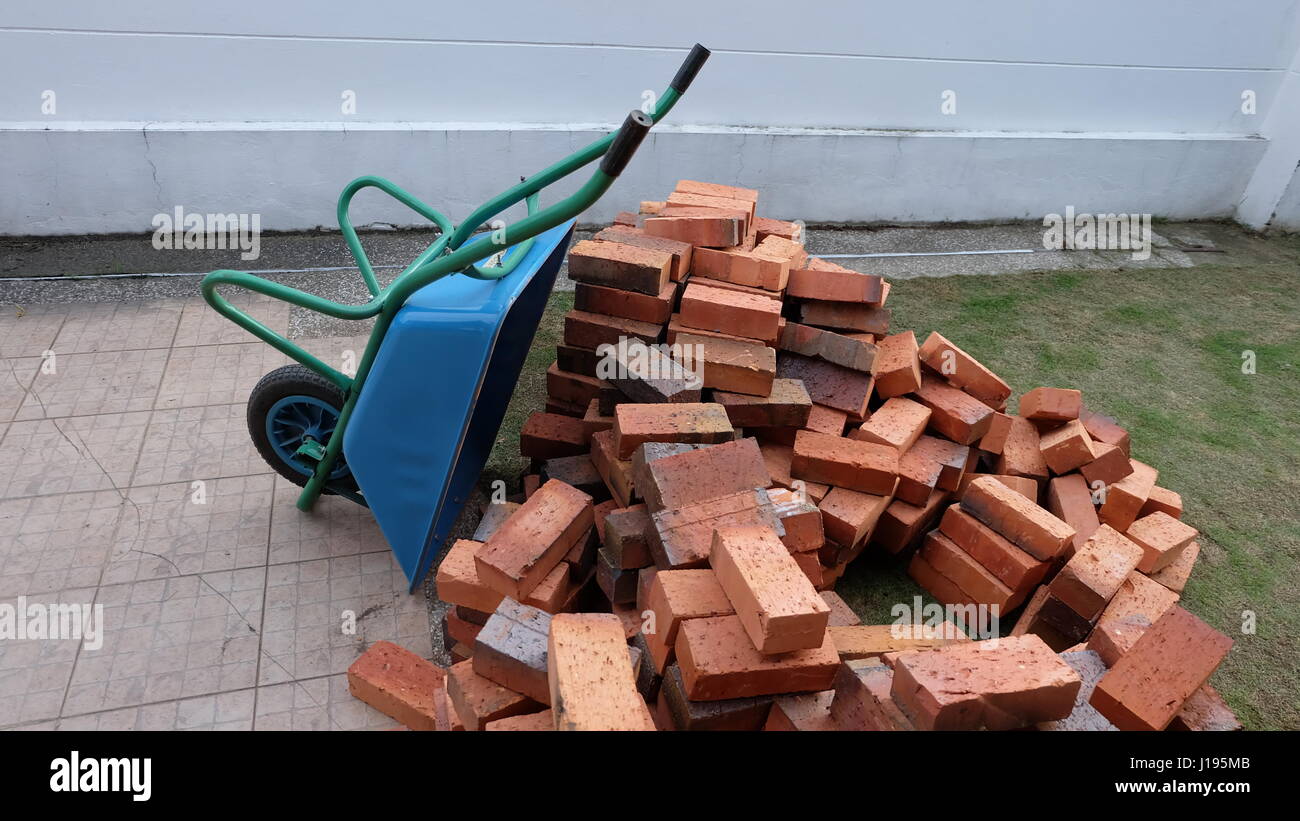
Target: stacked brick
[[690, 508]]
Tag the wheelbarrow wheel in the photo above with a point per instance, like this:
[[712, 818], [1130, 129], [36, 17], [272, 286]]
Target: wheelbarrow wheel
[[288, 406]]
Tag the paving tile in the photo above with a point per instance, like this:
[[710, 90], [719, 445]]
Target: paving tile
[[316, 704], [169, 639], [34, 673], [16, 376], [29, 330], [221, 711], [334, 527], [201, 325], [304, 634], [104, 382], [216, 374], [118, 326], [53, 543], [186, 444], [191, 527], [48, 456]]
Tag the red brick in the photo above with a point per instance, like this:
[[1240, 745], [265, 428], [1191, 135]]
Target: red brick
[[1021, 453], [713, 189], [552, 593], [823, 419], [1051, 404], [593, 685], [901, 525], [963, 370], [954, 414], [459, 629], [701, 227], [1012, 566], [766, 227], [684, 536], [847, 316], [897, 367], [528, 546], [731, 365], [1205, 711], [755, 268], [577, 471], [776, 603], [1139, 595], [866, 641], [1175, 574], [399, 684], [1149, 684], [574, 389], [999, 430], [687, 422], [616, 473], [809, 712], [677, 596], [479, 700], [1031, 622], [801, 519], [701, 474], [576, 360], [1109, 465], [824, 280], [849, 516], [1105, 429], [593, 422], [839, 349], [548, 435], [828, 384], [777, 458], [534, 722], [1162, 539], [1023, 485], [734, 715], [616, 265], [897, 423], [1094, 574], [680, 251], [1066, 448], [730, 312], [458, 579], [1002, 685], [787, 405], [929, 464], [599, 299], [1112, 638], [718, 661], [1069, 500], [1125, 498], [1024, 523], [627, 536], [676, 328], [939, 586], [587, 330], [942, 554], [849, 463], [721, 202], [1162, 499], [862, 698]]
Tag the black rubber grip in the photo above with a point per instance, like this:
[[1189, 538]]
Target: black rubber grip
[[690, 67], [626, 142]]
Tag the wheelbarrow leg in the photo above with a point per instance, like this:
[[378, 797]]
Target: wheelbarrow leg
[[316, 484]]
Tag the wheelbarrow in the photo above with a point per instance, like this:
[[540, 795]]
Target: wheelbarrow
[[408, 434]]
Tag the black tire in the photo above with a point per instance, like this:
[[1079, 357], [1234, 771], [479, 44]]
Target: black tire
[[282, 383]]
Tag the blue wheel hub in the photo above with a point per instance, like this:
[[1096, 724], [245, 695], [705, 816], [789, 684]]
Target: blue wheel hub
[[295, 419]]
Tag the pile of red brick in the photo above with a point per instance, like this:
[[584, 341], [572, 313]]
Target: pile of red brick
[[691, 505]]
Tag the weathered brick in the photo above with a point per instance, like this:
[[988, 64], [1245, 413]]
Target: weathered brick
[[784, 247], [963, 370], [954, 414], [399, 684], [1093, 575], [676, 329], [616, 265], [1205, 710], [734, 714], [756, 268], [809, 712], [999, 429], [766, 227], [1170, 661], [871, 641], [1023, 485], [777, 459], [677, 596], [976, 581], [649, 452], [701, 227], [1024, 523], [902, 524], [459, 629], [479, 700], [1066, 448], [828, 384], [839, 349], [718, 661], [702, 474], [824, 280], [617, 583], [533, 722], [897, 423], [581, 361], [494, 514], [511, 649], [583, 329], [862, 698], [1112, 638], [847, 316], [458, 578], [1030, 622], [1002, 685], [592, 683], [897, 367], [593, 421], [1051, 404], [863, 466], [713, 189], [572, 388], [1125, 498], [1162, 499], [721, 202], [686, 422], [627, 536], [1162, 539], [1105, 429], [1109, 465], [680, 251], [547, 435], [939, 586], [1070, 500], [787, 405], [552, 593], [647, 373], [732, 365], [730, 312], [1139, 595], [1021, 453], [928, 464], [615, 472], [1012, 566], [801, 519], [684, 536], [598, 299], [776, 603], [577, 471], [1175, 574], [528, 546]]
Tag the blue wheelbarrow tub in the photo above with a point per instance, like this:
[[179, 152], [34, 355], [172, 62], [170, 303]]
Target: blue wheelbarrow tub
[[429, 411]]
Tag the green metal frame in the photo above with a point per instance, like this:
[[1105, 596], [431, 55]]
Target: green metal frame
[[447, 255]]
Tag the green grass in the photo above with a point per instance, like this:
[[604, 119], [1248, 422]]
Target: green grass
[[1160, 350]]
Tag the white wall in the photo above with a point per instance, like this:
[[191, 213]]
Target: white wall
[[835, 107]]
